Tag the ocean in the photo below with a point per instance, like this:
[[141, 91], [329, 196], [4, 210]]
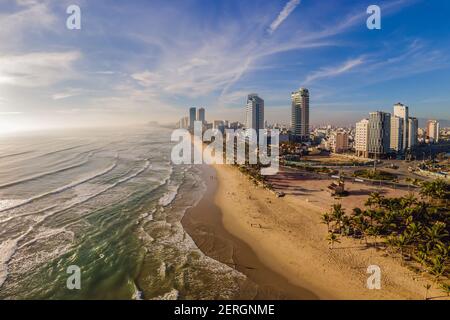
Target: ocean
[[110, 202]]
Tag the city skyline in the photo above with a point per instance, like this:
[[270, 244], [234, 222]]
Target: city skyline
[[213, 54]]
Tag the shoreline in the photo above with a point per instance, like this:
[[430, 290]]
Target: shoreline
[[285, 240], [204, 225]]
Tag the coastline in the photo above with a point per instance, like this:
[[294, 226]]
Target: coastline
[[283, 241], [204, 225]]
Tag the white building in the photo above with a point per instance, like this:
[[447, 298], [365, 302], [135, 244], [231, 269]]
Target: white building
[[397, 133], [401, 111], [433, 131], [361, 138]]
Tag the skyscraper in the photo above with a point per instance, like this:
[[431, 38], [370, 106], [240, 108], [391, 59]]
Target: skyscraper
[[201, 115], [362, 138], [192, 117], [379, 134], [300, 113], [254, 112], [413, 132], [433, 131], [397, 134], [401, 111]]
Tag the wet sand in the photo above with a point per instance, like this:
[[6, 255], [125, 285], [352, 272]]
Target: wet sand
[[204, 223]]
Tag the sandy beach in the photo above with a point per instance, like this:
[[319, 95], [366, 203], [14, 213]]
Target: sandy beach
[[279, 243]]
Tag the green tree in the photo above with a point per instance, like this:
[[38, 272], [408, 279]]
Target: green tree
[[438, 267], [375, 199], [435, 234], [327, 219], [332, 239]]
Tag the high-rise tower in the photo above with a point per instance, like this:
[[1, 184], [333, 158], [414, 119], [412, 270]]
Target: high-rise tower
[[300, 113], [254, 112], [401, 111]]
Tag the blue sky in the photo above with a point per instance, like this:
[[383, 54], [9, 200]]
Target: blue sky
[[138, 60]]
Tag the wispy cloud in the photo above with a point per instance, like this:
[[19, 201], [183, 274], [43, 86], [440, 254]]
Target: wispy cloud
[[329, 72], [69, 93], [287, 10], [33, 17], [37, 69]]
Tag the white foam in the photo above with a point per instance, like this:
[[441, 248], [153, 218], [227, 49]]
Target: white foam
[[80, 200], [169, 196], [63, 188], [7, 250], [7, 203]]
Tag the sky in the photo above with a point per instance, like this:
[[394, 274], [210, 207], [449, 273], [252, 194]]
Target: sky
[[148, 60]]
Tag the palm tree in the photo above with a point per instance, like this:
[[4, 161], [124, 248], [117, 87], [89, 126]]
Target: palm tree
[[422, 255], [359, 222], [435, 234], [375, 198], [373, 231], [402, 241], [438, 267], [332, 238], [372, 215], [414, 230], [442, 250], [426, 190], [338, 214], [408, 200], [327, 219], [435, 190]]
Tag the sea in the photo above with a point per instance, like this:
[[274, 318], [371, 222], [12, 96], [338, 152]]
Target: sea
[[109, 202]]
